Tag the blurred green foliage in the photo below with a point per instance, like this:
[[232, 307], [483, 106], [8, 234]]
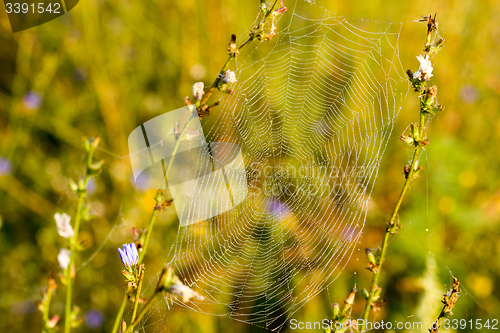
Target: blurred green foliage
[[110, 65]]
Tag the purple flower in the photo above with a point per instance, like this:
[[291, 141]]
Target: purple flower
[[32, 100], [129, 255], [278, 208], [5, 166], [469, 94], [91, 186], [94, 319]]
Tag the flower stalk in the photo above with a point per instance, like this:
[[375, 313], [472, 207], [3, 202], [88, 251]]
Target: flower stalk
[[417, 139], [233, 50], [168, 282], [143, 312], [138, 292], [449, 301], [80, 189], [49, 324], [119, 315], [221, 82], [342, 319]]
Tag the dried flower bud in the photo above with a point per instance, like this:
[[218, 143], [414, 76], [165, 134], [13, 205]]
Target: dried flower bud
[[433, 91], [53, 322], [95, 168], [336, 310], [91, 143], [407, 139], [280, 10], [350, 298], [365, 294], [370, 256], [52, 284], [233, 48]]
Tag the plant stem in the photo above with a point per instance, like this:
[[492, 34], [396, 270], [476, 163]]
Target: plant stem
[[138, 292], [152, 219], [81, 193], [148, 234], [142, 313], [69, 279], [387, 234], [46, 306], [449, 301], [428, 105], [231, 57], [119, 315], [177, 143]]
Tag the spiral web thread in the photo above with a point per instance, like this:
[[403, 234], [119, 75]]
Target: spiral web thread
[[312, 111]]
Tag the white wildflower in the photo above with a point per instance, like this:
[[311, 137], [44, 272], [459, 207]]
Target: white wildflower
[[63, 227], [179, 289], [198, 90], [64, 258], [424, 73], [229, 77]]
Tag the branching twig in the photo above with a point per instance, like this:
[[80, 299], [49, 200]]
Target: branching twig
[[449, 301], [417, 139], [202, 110], [256, 33], [81, 191]]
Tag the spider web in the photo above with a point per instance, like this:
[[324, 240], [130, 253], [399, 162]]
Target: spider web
[[312, 111]]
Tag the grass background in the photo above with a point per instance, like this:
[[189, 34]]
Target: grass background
[[110, 65]]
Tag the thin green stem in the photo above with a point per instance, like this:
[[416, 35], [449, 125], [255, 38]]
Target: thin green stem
[[138, 292], [231, 57], [178, 142], [119, 315], [387, 234], [217, 80], [148, 234], [46, 307], [142, 313], [428, 105], [69, 280], [82, 193]]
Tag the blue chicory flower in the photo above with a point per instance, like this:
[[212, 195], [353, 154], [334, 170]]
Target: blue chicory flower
[[129, 255], [94, 319], [5, 166], [32, 100]]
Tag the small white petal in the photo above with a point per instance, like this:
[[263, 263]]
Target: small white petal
[[64, 258], [198, 91], [425, 70], [229, 77], [63, 225]]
